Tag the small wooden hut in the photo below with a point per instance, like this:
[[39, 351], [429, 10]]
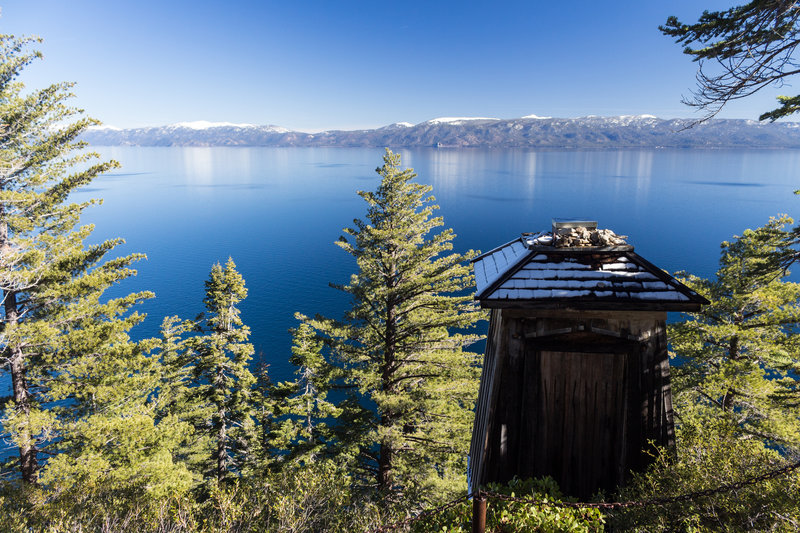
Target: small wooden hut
[[575, 382]]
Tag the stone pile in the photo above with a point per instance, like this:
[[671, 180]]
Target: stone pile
[[588, 237]]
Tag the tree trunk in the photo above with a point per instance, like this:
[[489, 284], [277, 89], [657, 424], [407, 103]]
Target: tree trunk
[[733, 355], [222, 458], [385, 466], [27, 451], [388, 419]]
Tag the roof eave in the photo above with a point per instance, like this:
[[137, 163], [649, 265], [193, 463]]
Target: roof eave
[[584, 305]]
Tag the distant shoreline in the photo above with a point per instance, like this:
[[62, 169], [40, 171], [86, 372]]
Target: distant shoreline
[[627, 132], [529, 133]]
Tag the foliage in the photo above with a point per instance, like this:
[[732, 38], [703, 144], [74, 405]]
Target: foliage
[[751, 47], [737, 357], [302, 499], [97, 507], [735, 396], [302, 411], [398, 345], [711, 454], [76, 377], [507, 516], [222, 382], [174, 401]]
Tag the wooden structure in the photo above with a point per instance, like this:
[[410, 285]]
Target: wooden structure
[[575, 381]]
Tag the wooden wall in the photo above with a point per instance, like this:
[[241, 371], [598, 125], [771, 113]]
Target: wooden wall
[[574, 395]]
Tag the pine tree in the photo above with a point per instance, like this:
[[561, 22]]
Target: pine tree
[[175, 356], [302, 410], [223, 381], [736, 397], [400, 344], [174, 400], [738, 356], [749, 47], [57, 333], [264, 413], [111, 437]]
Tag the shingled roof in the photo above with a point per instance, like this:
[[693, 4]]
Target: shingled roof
[[529, 272]]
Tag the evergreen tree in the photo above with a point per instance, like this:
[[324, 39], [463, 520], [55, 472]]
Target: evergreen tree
[[59, 341], [223, 381], [738, 356], [174, 399], [175, 354], [302, 411], [264, 412], [400, 344], [750, 47], [111, 437], [736, 396]]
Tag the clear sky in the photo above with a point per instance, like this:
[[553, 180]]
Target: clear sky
[[339, 64]]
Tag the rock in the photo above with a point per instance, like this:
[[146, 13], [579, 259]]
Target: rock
[[577, 237]]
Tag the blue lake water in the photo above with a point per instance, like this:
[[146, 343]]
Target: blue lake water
[[277, 212]]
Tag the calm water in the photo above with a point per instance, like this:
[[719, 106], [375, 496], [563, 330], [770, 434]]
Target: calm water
[[277, 211]]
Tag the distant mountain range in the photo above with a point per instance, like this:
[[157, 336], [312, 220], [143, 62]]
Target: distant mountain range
[[628, 131]]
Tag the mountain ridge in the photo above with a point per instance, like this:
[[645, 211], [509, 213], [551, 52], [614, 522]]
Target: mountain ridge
[[624, 131]]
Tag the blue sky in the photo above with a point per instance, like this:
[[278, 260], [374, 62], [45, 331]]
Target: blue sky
[[345, 64]]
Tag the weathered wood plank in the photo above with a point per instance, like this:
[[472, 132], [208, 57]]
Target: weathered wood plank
[[579, 406], [642, 316], [484, 403]]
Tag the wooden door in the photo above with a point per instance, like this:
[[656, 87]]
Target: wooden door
[[573, 419]]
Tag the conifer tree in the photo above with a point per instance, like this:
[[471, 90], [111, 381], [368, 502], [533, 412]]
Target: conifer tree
[[223, 381], [748, 47], [400, 344], [56, 329], [736, 397], [738, 356], [302, 410], [174, 400], [175, 355], [110, 435], [264, 413]]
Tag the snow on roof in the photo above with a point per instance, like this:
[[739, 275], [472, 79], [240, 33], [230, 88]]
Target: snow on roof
[[491, 265], [528, 270]]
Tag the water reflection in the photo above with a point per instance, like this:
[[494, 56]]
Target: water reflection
[[277, 211], [449, 168], [727, 183], [644, 173], [198, 165]]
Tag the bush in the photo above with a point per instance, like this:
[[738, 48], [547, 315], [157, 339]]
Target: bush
[[507, 516], [711, 455], [310, 498]]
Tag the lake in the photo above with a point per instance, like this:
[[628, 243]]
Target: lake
[[277, 212]]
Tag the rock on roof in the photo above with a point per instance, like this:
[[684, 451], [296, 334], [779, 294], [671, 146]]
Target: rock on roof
[[530, 272]]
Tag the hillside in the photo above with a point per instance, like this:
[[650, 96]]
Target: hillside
[[639, 131]]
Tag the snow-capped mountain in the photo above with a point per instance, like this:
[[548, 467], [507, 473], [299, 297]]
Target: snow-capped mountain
[[457, 120], [532, 131], [198, 133]]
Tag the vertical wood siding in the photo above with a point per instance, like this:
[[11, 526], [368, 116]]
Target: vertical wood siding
[[577, 396]]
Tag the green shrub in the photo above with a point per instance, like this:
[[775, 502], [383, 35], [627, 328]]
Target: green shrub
[[507, 516], [712, 455]]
